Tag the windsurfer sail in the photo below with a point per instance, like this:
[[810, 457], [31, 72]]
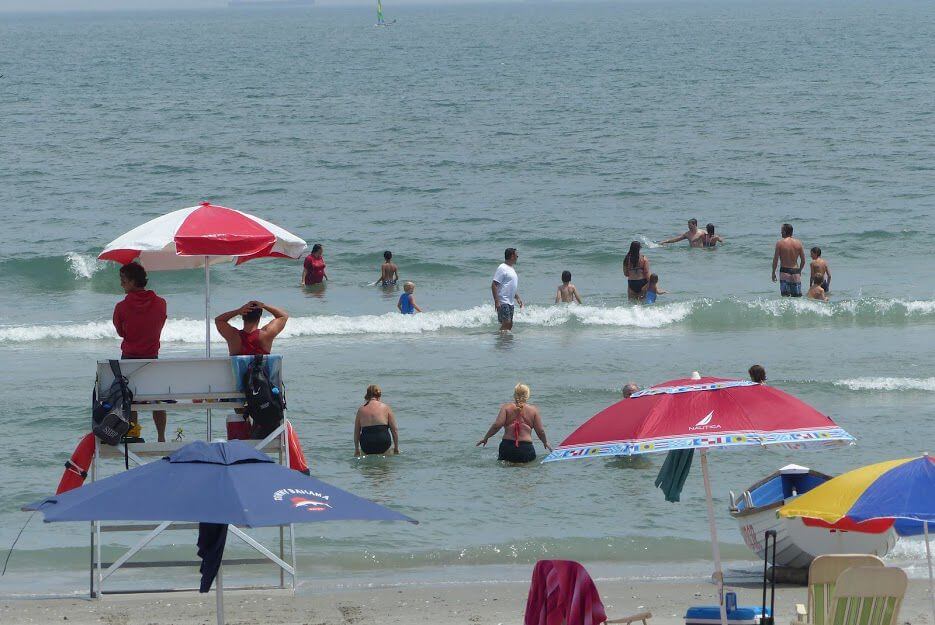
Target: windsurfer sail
[[380, 20]]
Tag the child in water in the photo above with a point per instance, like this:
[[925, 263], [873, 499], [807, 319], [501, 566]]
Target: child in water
[[817, 291], [567, 292], [819, 266], [407, 303], [651, 290], [389, 272]]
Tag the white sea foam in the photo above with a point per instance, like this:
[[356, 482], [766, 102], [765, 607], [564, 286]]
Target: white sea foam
[[83, 266], [648, 243], [192, 330], [888, 384]]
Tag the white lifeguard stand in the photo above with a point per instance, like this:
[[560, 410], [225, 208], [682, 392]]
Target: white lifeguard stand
[[199, 384]]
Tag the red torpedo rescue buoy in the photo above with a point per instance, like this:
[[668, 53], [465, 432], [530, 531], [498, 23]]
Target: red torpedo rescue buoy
[[76, 469]]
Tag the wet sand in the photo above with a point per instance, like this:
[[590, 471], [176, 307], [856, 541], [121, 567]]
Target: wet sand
[[441, 604]]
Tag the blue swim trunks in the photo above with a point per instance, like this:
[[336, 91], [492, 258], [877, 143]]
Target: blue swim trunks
[[505, 313], [790, 282]]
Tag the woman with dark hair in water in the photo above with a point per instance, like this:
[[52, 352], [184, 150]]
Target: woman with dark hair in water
[[757, 374], [374, 424], [313, 269], [517, 419], [636, 269]]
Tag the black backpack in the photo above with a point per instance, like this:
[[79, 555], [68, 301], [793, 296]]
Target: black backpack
[[264, 403], [110, 413]]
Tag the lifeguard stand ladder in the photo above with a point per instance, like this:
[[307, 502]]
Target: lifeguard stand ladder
[[194, 384]]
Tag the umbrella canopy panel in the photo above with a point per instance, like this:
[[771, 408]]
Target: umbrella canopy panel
[[191, 237], [230, 483], [701, 414]]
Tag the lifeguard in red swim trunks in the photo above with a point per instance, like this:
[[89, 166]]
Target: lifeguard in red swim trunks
[[252, 340]]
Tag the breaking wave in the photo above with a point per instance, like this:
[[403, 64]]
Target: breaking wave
[[888, 384], [703, 314], [82, 266]]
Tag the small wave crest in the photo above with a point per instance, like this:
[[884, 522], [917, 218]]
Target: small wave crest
[[702, 314], [83, 266], [888, 384], [648, 243]]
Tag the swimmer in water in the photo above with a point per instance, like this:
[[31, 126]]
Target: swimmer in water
[[517, 419], [636, 269], [567, 292], [693, 235], [629, 388], [407, 302], [789, 256], [816, 291], [820, 266], [389, 272], [709, 240], [374, 425], [757, 374], [651, 290]]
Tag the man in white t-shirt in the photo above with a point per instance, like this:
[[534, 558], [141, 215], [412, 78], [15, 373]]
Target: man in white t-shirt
[[504, 292]]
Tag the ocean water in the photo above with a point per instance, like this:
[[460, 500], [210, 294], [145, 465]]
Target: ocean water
[[564, 130]]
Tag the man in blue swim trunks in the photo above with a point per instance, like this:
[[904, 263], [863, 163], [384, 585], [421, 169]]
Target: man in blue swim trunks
[[503, 288], [789, 256]]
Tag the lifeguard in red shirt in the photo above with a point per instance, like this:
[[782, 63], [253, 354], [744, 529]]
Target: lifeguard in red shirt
[[252, 340], [139, 319]]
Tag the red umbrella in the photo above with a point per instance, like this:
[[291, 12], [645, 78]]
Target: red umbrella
[[702, 413]]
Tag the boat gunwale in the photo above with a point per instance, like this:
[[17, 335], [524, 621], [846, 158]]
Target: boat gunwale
[[738, 514]]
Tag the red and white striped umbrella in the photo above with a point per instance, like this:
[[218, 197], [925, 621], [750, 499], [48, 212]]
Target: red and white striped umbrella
[[200, 235]]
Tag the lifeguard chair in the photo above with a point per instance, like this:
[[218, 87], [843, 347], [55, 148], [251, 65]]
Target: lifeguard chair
[[185, 387]]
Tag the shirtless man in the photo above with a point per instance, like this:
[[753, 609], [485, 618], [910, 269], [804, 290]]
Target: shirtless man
[[694, 236], [389, 272], [252, 340], [819, 266], [789, 256]]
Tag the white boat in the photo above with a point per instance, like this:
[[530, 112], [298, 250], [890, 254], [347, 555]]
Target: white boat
[[799, 541]]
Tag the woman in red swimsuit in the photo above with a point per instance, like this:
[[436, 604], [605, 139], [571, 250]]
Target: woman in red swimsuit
[[313, 269]]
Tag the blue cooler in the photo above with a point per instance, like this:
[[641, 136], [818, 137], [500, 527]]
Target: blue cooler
[[711, 615]]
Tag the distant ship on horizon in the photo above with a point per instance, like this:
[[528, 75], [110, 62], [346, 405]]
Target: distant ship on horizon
[[245, 4]]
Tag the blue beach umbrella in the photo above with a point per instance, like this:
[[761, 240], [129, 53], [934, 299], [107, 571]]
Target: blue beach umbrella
[[213, 483], [901, 490]]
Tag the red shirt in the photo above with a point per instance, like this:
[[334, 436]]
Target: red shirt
[[314, 269], [139, 319], [250, 344]]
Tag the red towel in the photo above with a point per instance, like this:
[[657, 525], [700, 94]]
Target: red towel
[[562, 593]]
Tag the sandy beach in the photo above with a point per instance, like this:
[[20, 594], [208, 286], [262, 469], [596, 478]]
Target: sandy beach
[[496, 603]]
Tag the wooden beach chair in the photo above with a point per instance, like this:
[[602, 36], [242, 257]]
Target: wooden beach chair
[[822, 575], [867, 595]]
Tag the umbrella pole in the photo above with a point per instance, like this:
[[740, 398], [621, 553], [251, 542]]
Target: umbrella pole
[[715, 549], [928, 556], [219, 592], [207, 309]]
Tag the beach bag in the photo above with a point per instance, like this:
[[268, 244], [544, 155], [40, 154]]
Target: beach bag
[[263, 402], [110, 413]]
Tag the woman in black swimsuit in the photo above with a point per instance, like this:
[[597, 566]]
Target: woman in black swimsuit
[[636, 269], [517, 420], [374, 425]]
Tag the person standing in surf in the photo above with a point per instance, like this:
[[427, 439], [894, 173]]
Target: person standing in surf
[[636, 269], [252, 340], [313, 269], [819, 267], [789, 255], [503, 288], [694, 236], [517, 419], [389, 272], [139, 318], [375, 425]]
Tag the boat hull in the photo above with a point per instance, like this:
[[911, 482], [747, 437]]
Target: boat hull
[[798, 544]]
